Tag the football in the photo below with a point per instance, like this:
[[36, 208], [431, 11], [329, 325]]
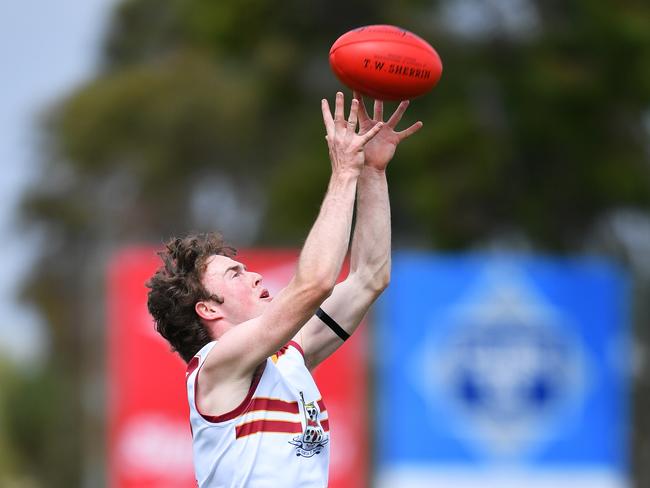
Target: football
[[385, 62]]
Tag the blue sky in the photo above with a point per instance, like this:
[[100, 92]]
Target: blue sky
[[46, 49]]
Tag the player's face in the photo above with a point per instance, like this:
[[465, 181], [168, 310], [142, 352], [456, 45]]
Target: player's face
[[243, 295]]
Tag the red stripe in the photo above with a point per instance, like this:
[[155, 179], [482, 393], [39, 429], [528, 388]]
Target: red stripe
[[321, 405], [297, 346], [273, 405], [267, 426], [191, 366], [241, 408], [282, 351], [325, 424]]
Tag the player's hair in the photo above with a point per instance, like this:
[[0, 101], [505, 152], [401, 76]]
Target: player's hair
[[176, 287]]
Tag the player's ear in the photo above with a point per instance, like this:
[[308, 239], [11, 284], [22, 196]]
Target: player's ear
[[208, 310]]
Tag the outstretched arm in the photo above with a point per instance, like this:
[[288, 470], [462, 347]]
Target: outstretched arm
[[371, 244], [241, 349], [371, 241]]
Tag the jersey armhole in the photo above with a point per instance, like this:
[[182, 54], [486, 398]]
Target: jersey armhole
[[283, 350], [297, 347], [239, 409]]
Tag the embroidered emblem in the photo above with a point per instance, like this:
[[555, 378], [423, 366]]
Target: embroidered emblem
[[313, 438]]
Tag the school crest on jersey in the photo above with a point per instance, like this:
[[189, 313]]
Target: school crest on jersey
[[313, 438]]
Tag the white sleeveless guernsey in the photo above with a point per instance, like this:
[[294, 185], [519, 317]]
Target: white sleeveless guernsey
[[277, 437]]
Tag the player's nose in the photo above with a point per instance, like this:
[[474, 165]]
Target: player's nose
[[257, 279]]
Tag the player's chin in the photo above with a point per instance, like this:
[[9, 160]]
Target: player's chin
[[263, 303]]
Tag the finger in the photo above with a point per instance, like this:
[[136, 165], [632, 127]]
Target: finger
[[352, 119], [410, 131], [363, 113], [339, 120], [371, 133], [327, 117], [379, 110], [397, 114]]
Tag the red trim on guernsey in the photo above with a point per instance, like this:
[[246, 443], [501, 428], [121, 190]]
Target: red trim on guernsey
[[278, 426], [273, 405], [241, 408], [191, 366], [297, 346], [282, 351], [325, 424], [321, 405]]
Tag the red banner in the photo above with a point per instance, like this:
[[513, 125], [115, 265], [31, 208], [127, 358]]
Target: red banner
[[149, 440]]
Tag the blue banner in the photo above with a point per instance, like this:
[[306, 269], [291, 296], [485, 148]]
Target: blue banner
[[502, 365]]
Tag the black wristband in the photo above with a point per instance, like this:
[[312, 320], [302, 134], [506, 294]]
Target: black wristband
[[331, 323]]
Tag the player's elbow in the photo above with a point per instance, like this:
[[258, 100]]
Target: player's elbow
[[374, 283], [379, 283], [316, 289], [380, 278], [322, 290]]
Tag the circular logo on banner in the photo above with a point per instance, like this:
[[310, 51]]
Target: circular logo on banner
[[502, 366]]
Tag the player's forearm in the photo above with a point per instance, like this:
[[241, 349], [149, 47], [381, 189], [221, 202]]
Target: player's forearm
[[327, 243], [371, 242]]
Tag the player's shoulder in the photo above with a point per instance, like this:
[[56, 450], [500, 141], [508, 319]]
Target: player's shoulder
[[198, 358], [290, 349]]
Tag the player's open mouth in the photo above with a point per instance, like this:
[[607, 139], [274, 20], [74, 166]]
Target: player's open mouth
[[265, 294]]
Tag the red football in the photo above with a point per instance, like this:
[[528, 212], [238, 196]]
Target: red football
[[385, 62]]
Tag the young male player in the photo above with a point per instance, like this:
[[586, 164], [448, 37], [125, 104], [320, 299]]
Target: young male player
[[257, 417]]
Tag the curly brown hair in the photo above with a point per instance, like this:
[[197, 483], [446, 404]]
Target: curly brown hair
[[176, 287]]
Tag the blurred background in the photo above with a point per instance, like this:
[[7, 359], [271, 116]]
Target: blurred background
[[126, 122]]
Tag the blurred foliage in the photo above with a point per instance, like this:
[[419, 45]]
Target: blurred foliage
[[537, 130], [40, 428]]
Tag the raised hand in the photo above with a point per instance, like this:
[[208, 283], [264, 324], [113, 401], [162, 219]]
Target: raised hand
[[381, 148], [346, 146]]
